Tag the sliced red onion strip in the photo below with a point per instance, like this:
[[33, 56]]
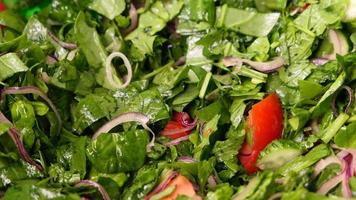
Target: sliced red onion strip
[[140, 118], [177, 131], [184, 119], [330, 184], [177, 141], [90, 183], [186, 159], [51, 60], [18, 143], [348, 161], [180, 61], [109, 73], [266, 67], [351, 99], [37, 91], [22, 151], [322, 164], [319, 61], [188, 127], [65, 45], [134, 19], [212, 181], [346, 191], [163, 185], [335, 41]]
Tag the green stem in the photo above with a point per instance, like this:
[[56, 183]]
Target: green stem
[[204, 87], [333, 128]]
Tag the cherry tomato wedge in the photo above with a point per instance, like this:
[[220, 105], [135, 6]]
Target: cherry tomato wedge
[[264, 124], [2, 6], [182, 187], [179, 126]]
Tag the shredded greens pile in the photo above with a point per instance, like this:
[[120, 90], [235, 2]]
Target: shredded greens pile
[[87, 86]]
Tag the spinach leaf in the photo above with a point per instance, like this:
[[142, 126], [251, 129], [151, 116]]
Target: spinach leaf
[[143, 182], [226, 151], [89, 42], [346, 137], [10, 64], [28, 191], [249, 23], [12, 20], [108, 8], [118, 152]]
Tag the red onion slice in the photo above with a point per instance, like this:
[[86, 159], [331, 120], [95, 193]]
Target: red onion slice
[[186, 159], [109, 73], [330, 184], [180, 61], [348, 173], [90, 183], [140, 118], [348, 161], [266, 67], [18, 143], [177, 131], [65, 45], [163, 185], [177, 141], [212, 181], [350, 98], [134, 19], [36, 91], [183, 119], [322, 164], [319, 61]]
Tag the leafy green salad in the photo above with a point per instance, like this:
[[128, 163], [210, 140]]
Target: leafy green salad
[[178, 99]]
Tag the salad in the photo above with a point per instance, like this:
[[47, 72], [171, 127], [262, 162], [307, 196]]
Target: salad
[[178, 99]]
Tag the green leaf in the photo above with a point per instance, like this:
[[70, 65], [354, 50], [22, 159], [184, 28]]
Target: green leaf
[[260, 47], [226, 151], [266, 5], [237, 110], [143, 182], [329, 132], [89, 42], [90, 109], [108, 8], [12, 20], [222, 191], [23, 114], [152, 21], [309, 90], [11, 64], [118, 152], [249, 23], [303, 162], [29, 191], [210, 127], [219, 107], [259, 187], [346, 137]]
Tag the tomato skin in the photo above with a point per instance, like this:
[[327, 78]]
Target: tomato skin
[[183, 187], [265, 123], [2, 7], [249, 161], [173, 125], [179, 126]]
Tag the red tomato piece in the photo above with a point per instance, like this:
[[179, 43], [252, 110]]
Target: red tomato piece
[[265, 124], [182, 187], [179, 126], [2, 6], [249, 161]]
